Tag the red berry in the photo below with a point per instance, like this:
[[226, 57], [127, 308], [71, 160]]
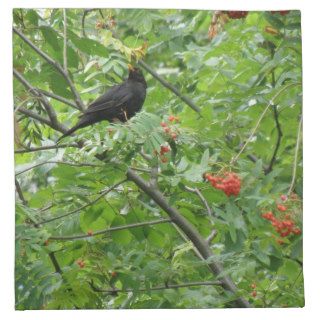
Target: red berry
[[173, 118], [163, 124], [237, 14], [254, 293], [296, 231], [164, 149], [167, 130], [164, 159], [174, 136], [281, 207], [81, 263], [283, 197]]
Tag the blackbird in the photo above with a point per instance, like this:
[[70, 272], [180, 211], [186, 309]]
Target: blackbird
[[120, 103]]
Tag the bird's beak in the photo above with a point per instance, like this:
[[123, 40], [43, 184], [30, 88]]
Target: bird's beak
[[130, 67]]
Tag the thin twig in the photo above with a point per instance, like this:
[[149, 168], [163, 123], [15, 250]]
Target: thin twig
[[117, 228], [58, 98], [84, 206], [65, 40], [56, 146], [49, 109], [20, 193], [41, 119], [235, 159], [56, 65], [164, 287], [55, 262], [211, 236], [169, 86], [202, 198], [296, 154], [274, 156], [59, 162]]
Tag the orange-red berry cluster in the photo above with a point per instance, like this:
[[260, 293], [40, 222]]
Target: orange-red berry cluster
[[282, 12], [163, 150], [169, 130], [284, 227], [237, 14], [230, 183], [81, 263], [253, 286]]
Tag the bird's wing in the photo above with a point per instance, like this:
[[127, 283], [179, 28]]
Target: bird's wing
[[117, 96]]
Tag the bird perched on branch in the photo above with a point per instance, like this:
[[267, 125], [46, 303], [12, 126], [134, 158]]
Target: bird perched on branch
[[120, 103]]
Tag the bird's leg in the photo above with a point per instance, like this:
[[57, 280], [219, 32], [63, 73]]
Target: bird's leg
[[125, 114]]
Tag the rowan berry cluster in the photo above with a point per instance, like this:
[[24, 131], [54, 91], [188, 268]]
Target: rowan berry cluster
[[81, 263], [163, 150], [284, 227], [169, 130], [282, 12], [237, 14], [229, 183], [254, 292]]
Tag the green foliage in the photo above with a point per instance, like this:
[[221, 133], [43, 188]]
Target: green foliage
[[232, 78]]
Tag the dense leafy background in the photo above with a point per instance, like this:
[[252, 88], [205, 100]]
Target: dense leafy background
[[232, 78]]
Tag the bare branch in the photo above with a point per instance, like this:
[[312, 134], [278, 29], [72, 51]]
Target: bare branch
[[84, 206], [274, 156], [20, 193], [169, 86], [56, 65], [35, 116], [164, 287], [117, 228], [190, 231], [154, 176], [211, 236], [202, 198], [50, 111], [55, 262], [55, 146], [65, 39], [59, 162], [235, 159], [58, 98], [295, 161]]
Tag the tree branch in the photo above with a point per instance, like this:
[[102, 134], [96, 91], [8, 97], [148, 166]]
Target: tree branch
[[20, 193], [59, 146], [190, 231], [295, 161], [55, 262], [169, 86], [58, 98], [202, 198], [117, 228], [56, 65], [271, 102], [59, 162], [274, 156], [41, 119], [50, 111], [84, 206], [65, 40], [165, 287]]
